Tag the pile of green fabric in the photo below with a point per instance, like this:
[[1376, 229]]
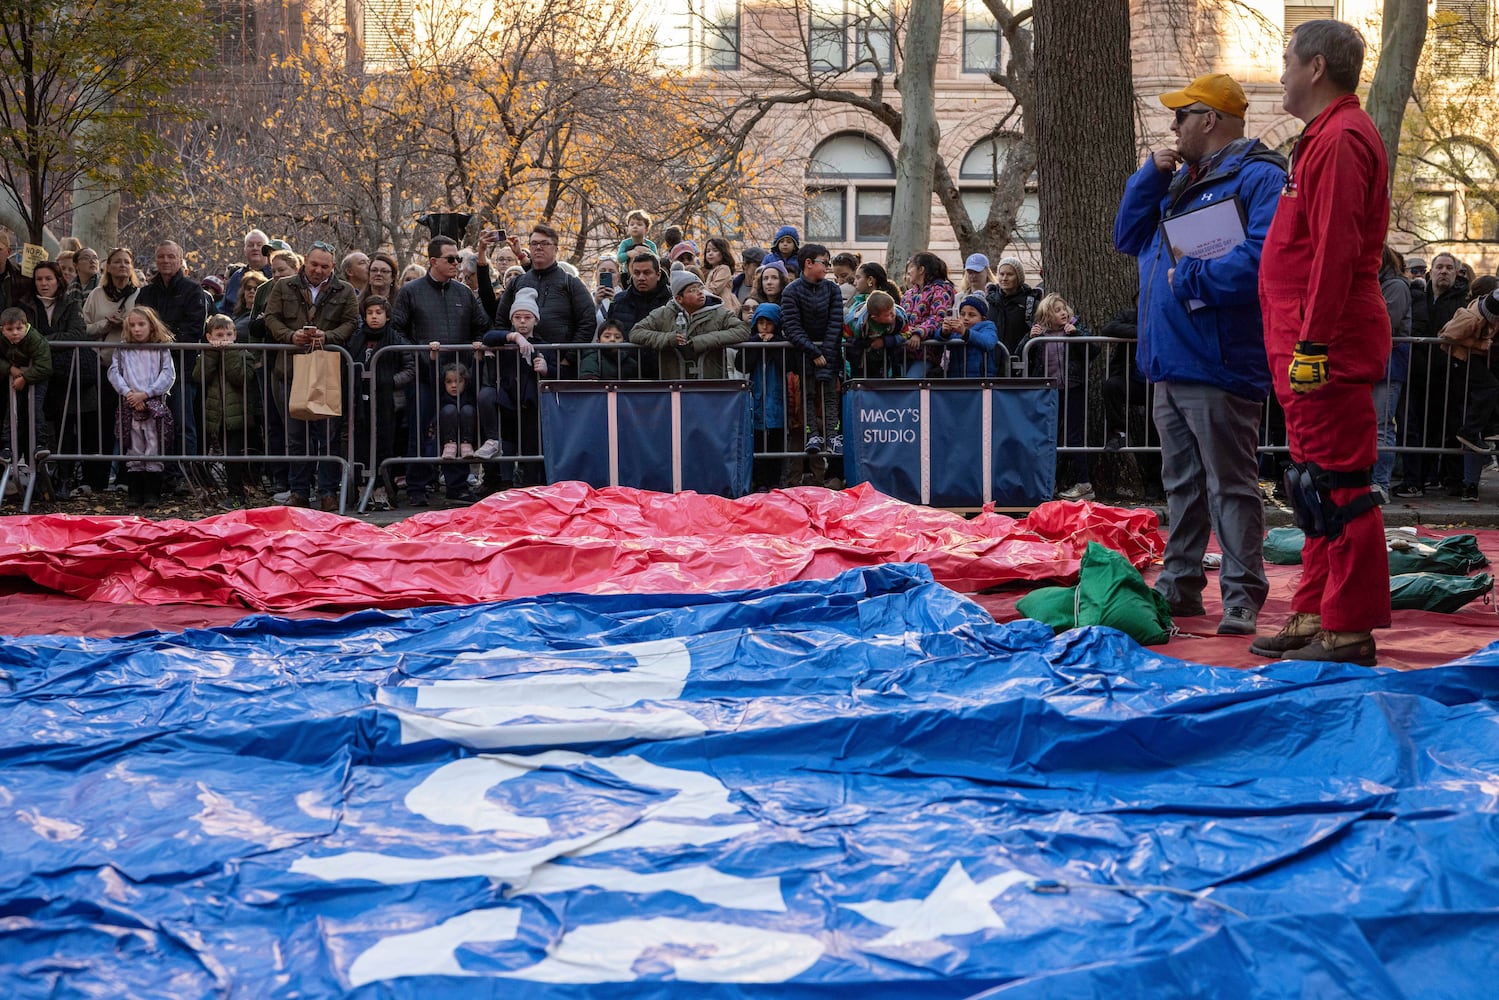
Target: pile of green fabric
[[1427, 574], [1109, 592]]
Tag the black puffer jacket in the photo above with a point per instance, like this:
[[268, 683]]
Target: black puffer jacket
[[447, 312]]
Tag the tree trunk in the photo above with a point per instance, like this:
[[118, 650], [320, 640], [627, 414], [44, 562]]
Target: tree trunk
[[96, 219], [96, 207], [1402, 37], [915, 168], [1085, 149]]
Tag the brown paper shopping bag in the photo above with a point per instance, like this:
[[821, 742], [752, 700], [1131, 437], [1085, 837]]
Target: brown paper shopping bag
[[316, 393]]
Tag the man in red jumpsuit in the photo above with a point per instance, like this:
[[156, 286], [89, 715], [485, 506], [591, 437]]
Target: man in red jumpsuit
[[1327, 336]]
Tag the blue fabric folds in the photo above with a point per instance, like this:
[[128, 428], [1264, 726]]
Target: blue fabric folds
[[857, 785]]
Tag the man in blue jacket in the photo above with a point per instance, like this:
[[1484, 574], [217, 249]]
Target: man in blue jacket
[[1202, 343]]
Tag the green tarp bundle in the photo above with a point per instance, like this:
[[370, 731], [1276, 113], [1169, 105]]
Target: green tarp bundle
[[1427, 574], [1109, 592], [1437, 591], [1457, 554]]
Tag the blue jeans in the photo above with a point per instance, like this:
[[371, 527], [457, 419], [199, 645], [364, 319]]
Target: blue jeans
[[1386, 406]]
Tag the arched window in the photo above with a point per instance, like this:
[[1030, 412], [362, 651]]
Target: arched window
[[976, 179], [1454, 193], [849, 175]]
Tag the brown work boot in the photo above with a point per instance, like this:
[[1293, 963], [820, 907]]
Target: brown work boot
[[1298, 632], [1337, 647]]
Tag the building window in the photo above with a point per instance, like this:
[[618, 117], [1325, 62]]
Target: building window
[[1454, 196], [1297, 12], [874, 43], [388, 34], [825, 220], [715, 33], [827, 36], [1460, 38], [1431, 217], [983, 45], [977, 175], [850, 170]]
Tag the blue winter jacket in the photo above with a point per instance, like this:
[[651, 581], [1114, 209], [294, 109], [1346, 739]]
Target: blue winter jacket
[[1222, 343], [766, 368], [792, 267], [973, 356]]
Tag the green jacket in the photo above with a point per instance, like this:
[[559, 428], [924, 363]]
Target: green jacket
[[290, 308], [227, 376], [33, 355], [709, 331]]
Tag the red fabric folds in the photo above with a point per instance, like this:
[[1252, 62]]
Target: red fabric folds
[[563, 538]]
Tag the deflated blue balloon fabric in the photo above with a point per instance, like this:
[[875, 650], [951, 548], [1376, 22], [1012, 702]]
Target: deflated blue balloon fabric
[[860, 785]]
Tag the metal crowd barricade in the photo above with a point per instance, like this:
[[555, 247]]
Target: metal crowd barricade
[[380, 442], [1079, 428], [84, 433], [19, 466], [405, 398], [1427, 405]]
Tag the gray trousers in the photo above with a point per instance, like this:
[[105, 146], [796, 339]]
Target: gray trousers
[[1209, 469]]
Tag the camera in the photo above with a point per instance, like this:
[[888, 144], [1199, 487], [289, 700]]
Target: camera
[[606, 279]]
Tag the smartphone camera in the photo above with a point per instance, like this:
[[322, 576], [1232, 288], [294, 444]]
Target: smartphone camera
[[606, 279]]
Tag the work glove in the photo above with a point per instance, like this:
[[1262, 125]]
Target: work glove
[[1309, 367]]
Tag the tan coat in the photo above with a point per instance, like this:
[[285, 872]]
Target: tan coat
[[1468, 333]]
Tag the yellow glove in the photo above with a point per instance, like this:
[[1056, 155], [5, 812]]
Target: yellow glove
[[1309, 367]]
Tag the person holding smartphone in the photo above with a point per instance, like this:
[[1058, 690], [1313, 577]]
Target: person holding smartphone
[[603, 292], [312, 310]]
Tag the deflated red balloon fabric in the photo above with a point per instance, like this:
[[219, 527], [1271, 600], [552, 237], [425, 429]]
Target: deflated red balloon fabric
[[567, 537]]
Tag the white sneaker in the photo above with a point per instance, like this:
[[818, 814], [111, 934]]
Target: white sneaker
[[1082, 491], [282, 497], [450, 450], [465, 450], [489, 449]]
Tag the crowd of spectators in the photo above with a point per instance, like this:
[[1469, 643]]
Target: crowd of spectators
[[495, 318]]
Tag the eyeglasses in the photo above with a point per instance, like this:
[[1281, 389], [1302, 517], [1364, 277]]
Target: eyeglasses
[[451, 258], [320, 245], [819, 260], [1182, 113], [542, 243]]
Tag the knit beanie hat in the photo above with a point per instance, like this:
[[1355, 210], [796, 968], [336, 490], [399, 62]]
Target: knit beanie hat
[[1488, 307], [1015, 263], [980, 305], [526, 301], [683, 280]]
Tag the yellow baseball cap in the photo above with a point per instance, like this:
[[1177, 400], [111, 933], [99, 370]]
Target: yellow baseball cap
[[1218, 91]]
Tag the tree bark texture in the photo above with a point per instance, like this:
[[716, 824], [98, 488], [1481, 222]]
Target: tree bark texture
[[1402, 37], [915, 161], [1085, 150]]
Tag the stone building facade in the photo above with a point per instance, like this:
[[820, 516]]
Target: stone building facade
[[837, 164]]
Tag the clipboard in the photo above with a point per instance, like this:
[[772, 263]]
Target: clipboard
[[1208, 232]]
